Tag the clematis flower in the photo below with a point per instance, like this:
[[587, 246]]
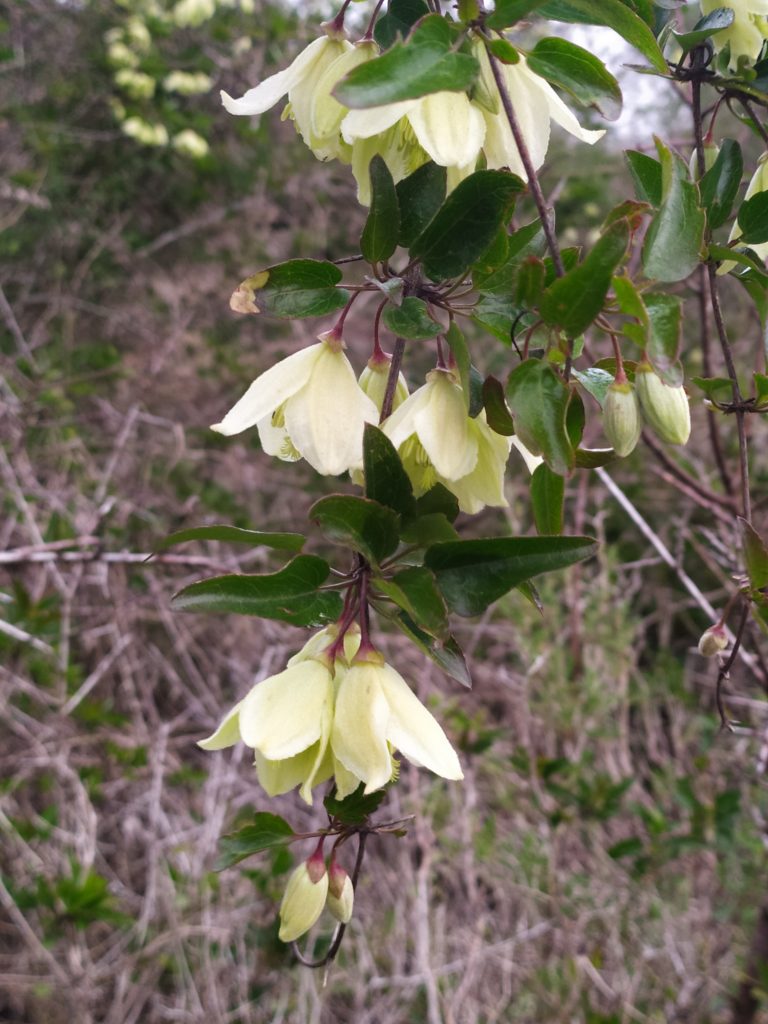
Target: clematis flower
[[748, 31], [376, 711], [484, 485], [304, 898], [759, 183], [308, 406]]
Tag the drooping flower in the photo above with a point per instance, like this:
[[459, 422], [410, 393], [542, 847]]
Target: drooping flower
[[304, 898], [748, 31], [307, 406], [758, 183], [376, 713]]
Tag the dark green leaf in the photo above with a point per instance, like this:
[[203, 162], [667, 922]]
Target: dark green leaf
[[420, 195], [382, 228], [547, 495], [719, 19], [538, 400], [614, 14], [411, 320], [593, 458], [266, 832], [496, 410], [573, 301], [721, 183], [526, 241], [438, 499], [494, 257], [646, 174], [415, 591], [290, 595], [579, 72], [753, 219], [630, 300], [665, 313], [529, 284], [385, 479], [755, 555], [507, 12], [361, 523], [466, 223], [472, 574], [498, 315], [428, 529], [294, 289], [447, 654], [355, 808], [674, 240], [424, 64], [503, 50], [397, 22], [458, 346], [234, 535]]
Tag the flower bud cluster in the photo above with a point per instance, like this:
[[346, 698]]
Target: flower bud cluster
[[664, 408], [312, 888]]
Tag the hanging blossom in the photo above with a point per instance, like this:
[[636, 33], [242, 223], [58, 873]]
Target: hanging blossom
[[308, 406], [758, 183], [322, 719], [749, 29]]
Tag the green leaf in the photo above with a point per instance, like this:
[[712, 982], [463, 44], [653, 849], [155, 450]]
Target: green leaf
[[292, 290], [573, 301], [466, 223], [528, 240], [401, 16], [385, 479], [382, 228], [424, 64], [438, 499], [458, 345], [579, 72], [447, 654], [646, 175], [428, 529], [355, 808], [496, 410], [420, 196], [547, 495], [538, 400], [675, 236], [529, 285], [234, 535], [290, 595], [415, 591], [472, 574], [411, 320], [267, 832], [614, 14], [665, 313], [719, 19], [360, 523], [503, 50], [507, 12], [755, 555], [498, 315], [760, 381], [716, 389], [721, 182], [753, 219], [630, 300], [593, 458], [596, 381]]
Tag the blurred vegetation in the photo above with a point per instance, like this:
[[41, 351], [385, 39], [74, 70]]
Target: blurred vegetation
[[604, 858]]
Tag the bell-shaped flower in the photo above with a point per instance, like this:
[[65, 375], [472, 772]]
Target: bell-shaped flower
[[484, 485], [326, 113], [376, 713], [758, 183], [299, 81], [315, 406], [398, 148], [373, 380], [748, 31], [304, 898]]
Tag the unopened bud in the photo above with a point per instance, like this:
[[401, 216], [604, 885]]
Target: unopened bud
[[711, 151], [341, 895], [621, 418], [713, 641], [304, 898], [665, 408], [373, 381]]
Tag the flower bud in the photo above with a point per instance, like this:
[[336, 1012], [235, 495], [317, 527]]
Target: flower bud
[[304, 898], [665, 408], [373, 381], [621, 418], [341, 895], [713, 641]]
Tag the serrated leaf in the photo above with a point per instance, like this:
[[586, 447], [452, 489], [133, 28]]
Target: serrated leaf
[[411, 320], [547, 495], [385, 479], [355, 808], [579, 73], [466, 223], [538, 400], [267, 832], [364, 525], [382, 227], [721, 182], [420, 196], [290, 595], [673, 244], [234, 535], [292, 290], [472, 574]]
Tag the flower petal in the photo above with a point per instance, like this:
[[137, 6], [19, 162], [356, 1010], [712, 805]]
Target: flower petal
[[275, 440], [485, 484], [532, 461], [278, 777], [228, 732], [402, 423], [443, 428], [364, 124], [449, 127], [267, 93], [359, 727], [414, 731], [283, 715], [558, 111], [270, 390]]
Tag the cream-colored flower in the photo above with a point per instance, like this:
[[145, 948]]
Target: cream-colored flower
[[192, 13], [484, 485], [748, 31], [373, 381], [758, 183], [341, 894], [376, 712], [190, 144], [135, 83], [304, 899], [144, 132], [314, 398], [187, 83]]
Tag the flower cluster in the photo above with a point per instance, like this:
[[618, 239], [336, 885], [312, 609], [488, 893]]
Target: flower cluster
[[337, 711], [663, 407], [311, 889], [452, 128]]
